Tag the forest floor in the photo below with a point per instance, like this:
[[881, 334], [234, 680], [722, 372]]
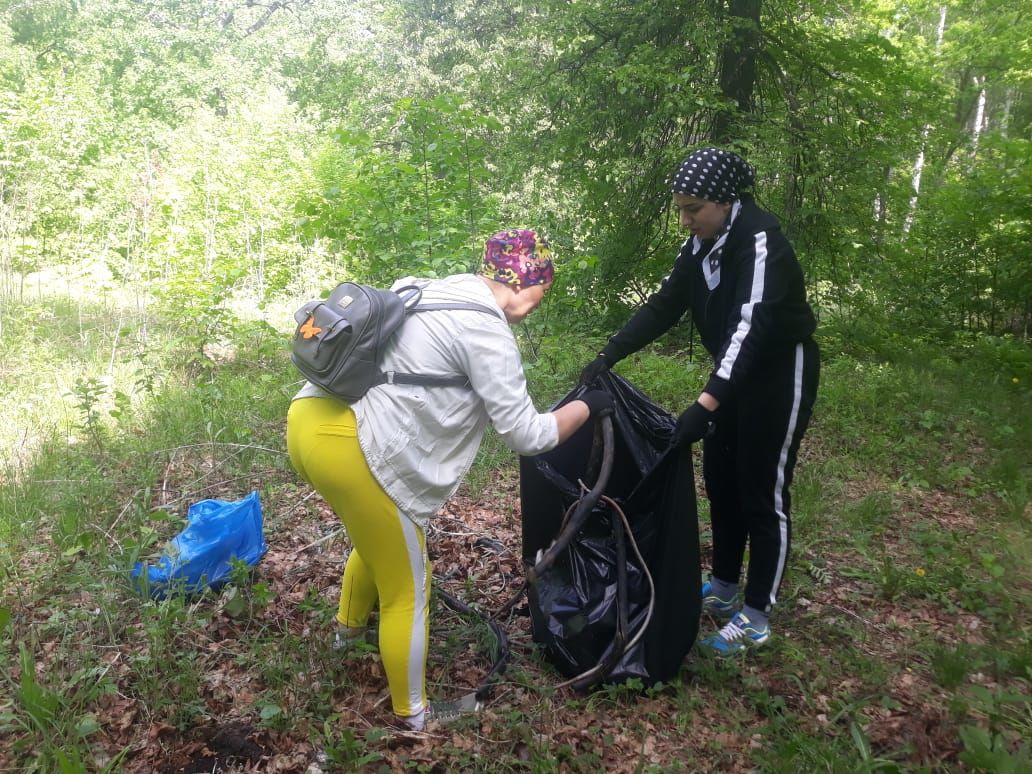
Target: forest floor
[[900, 641], [857, 674]]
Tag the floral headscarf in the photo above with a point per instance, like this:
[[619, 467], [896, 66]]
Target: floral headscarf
[[518, 257]]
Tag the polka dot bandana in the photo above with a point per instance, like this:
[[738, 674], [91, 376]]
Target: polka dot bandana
[[714, 175], [518, 257]]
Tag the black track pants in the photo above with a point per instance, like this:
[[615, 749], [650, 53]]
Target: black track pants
[[748, 463]]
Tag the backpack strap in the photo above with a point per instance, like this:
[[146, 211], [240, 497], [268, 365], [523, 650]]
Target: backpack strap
[[411, 295], [394, 377], [458, 380], [469, 306]]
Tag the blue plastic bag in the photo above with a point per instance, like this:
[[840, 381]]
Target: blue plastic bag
[[199, 557]]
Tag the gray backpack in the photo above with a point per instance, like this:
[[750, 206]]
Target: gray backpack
[[339, 340]]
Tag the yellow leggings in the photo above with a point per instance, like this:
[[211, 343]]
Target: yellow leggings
[[388, 560]]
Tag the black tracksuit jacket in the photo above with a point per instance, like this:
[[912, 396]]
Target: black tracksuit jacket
[[757, 313]]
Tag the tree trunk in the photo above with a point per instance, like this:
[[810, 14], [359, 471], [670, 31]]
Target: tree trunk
[[915, 179], [1007, 104], [980, 121], [738, 65]]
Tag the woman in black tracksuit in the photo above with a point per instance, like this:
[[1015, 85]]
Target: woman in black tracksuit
[[740, 278]]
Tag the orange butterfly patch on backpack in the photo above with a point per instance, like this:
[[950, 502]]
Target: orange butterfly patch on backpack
[[308, 329]]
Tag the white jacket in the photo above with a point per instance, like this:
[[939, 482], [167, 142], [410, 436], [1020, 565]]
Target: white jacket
[[420, 441]]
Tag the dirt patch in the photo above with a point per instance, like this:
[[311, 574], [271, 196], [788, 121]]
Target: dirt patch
[[216, 749], [928, 734]]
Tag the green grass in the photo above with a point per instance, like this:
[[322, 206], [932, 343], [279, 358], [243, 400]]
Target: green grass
[[900, 643]]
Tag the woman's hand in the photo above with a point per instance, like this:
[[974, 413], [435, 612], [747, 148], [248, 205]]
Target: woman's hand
[[692, 425]]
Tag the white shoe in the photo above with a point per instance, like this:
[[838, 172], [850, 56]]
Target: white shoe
[[444, 712], [350, 637]]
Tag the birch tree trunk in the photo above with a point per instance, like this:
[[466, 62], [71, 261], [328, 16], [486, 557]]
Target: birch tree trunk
[[915, 180], [979, 124]]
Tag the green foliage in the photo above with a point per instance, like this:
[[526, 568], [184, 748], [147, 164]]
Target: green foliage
[[965, 264], [985, 752], [192, 168], [87, 393], [344, 748], [410, 194], [951, 665], [173, 175], [59, 719]]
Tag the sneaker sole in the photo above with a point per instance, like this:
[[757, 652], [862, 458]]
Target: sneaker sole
[[735, 649]]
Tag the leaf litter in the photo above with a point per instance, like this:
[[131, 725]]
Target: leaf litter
[[271, 695]]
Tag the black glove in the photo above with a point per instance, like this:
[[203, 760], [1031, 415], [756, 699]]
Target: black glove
[[600, 403], [692, 425], [594, 369]]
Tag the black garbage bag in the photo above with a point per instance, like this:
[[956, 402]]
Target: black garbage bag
[[574, 605]]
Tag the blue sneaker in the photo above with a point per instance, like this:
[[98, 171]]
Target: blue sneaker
[[714, 605], [736, 636]]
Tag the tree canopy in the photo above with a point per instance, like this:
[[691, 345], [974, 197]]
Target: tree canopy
[[197, 148]]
